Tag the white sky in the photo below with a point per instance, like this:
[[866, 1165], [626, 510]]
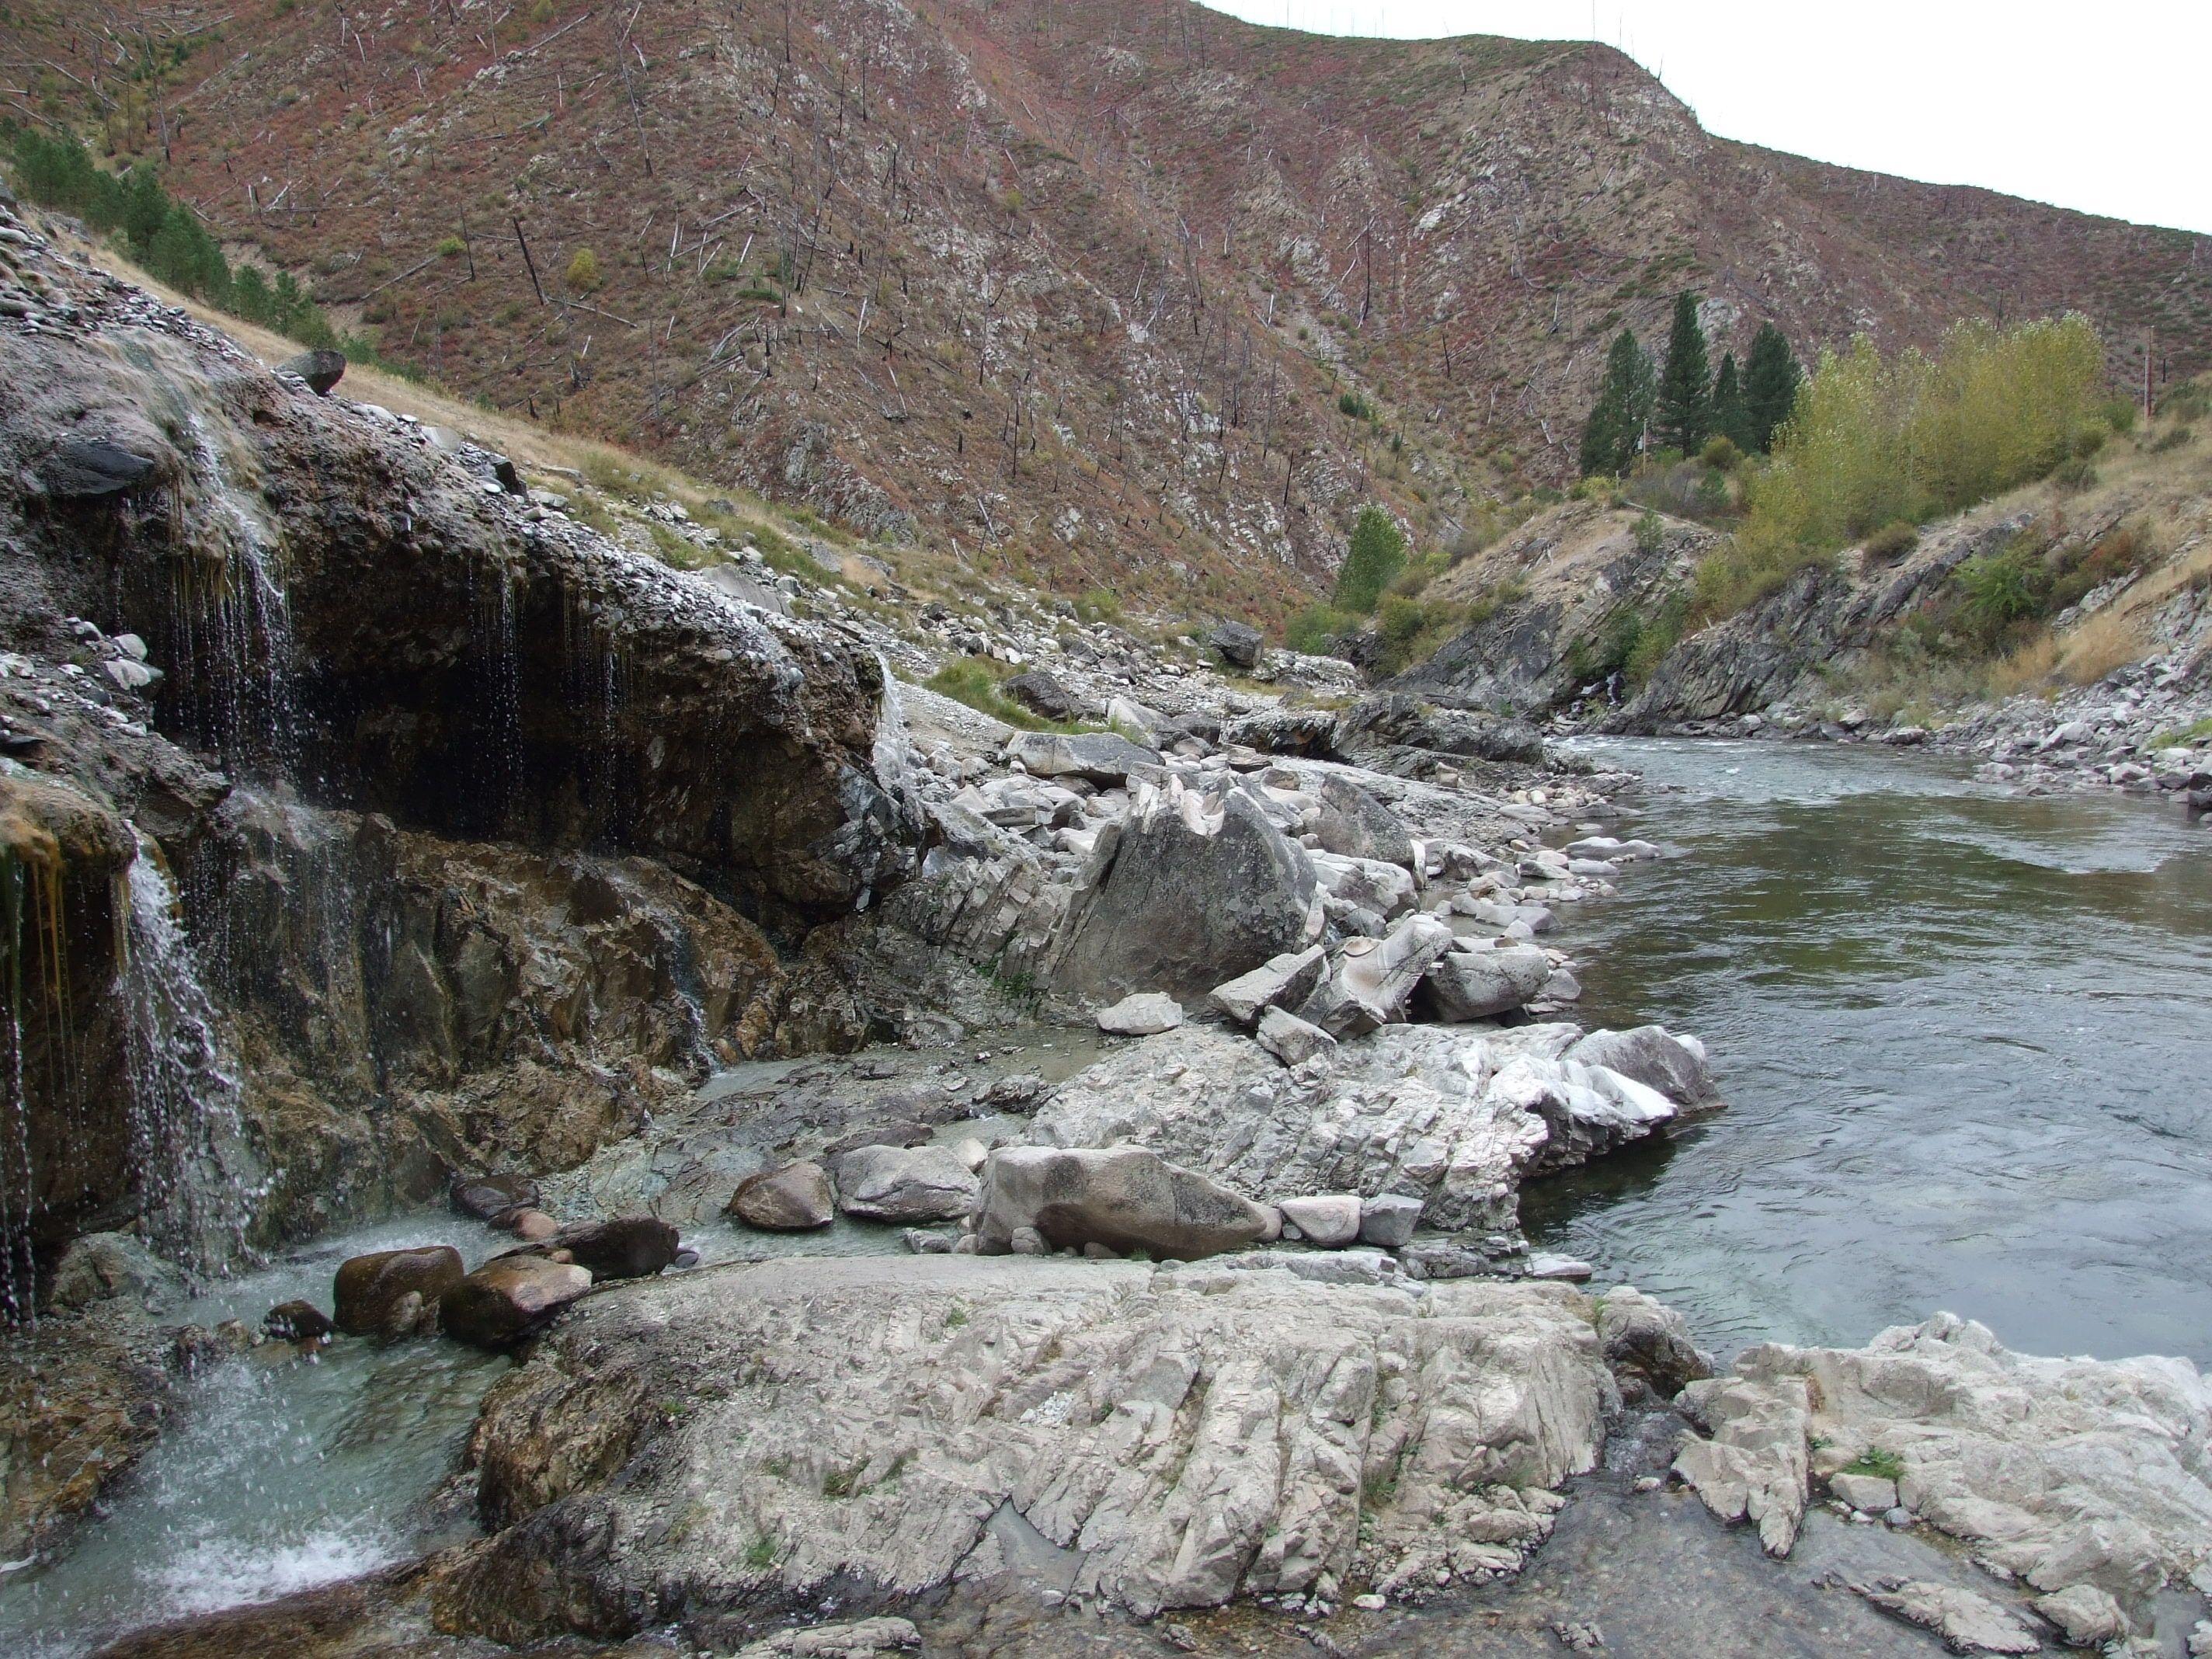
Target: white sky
[[2098, 104]]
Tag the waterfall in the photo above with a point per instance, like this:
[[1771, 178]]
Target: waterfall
[[198, 1177], [18, 1180]]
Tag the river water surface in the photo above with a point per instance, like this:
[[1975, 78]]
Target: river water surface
[[1966, 1038]]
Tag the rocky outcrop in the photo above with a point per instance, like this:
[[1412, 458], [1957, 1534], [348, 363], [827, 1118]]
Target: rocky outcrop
[[1120, 1199], [2065, 1473], [1177, 1437]]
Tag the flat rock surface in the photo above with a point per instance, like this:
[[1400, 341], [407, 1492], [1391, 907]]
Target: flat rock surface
[[1178, 1435]]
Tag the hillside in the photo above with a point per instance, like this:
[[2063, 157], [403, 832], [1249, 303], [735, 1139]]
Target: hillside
[[1091, 296]]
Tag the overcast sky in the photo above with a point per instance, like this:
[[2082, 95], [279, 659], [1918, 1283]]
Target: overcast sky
[[2091, 104]]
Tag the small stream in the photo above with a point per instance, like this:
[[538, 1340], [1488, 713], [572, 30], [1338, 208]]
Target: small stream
[[1965, 1037]]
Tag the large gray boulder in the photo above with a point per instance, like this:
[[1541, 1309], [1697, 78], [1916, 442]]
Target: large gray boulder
[[1042, 694], [1354, 823], [1239, 644], [1477, 984], [1283, 982], [321, 369], [904, 1183], [793, 1199], [1655, 1057], [1191, 890], [1122, 1197], [1103, 758], [1370, 980]]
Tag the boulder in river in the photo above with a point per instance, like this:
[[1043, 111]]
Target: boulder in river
[[296, 1321], [1649, 1342], [368, 1288], [1655, 1057], [1122, 1197], [1477, 984], [482, 1197], [792, 1198], [904, 1183], [626, 1246], [508, 1298]]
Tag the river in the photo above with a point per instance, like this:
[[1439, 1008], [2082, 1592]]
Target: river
[[1966, 1038]]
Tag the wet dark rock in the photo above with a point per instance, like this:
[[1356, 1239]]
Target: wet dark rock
[[510, 1298], [793, 1199], [509, 477], [1649, 1342], [321, 369], [628, 1247], [102, 1266], [880, 1135], [296, 1321], [84, 469], [368, 1287], [482, 1197]]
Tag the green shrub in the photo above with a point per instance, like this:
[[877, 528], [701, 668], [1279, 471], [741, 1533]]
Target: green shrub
[[974, 681], [1720, 454], [1356, 406], [1311, 629], [1894, 540], [2001, 589], [1099, 605], [1650, 532], [450, 248], [2167, 442], [1376, 554]]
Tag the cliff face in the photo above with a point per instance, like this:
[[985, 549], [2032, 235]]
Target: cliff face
[[365, 821], [1073, 288]]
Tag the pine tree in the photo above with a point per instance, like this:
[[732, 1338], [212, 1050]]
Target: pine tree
[[1684, 413], [1616, 427], [1769, 385], [1731, 415], [1376, 555]]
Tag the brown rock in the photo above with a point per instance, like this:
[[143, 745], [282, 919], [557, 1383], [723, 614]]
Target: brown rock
[[628, 1247], [482, 1197], [790, 1200], [368, 1287], [296, 1321], [509, 1297], [529, 1225]]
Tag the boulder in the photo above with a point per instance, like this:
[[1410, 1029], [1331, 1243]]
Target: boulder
[[321, 369], [1387, 1220], [628, 1247], [1355, 824], [1146, 1014], [1370, 980], [508, 1298], [482, 1197], [1655, 1057], [367, 1287], [1103, 758], [1180, 1435], [2087, 1615], [1190, 890], [1752, 1464], [902, 1133], [1649, 1342], [1476, 984], [900, 1183], [1329, 1220], [1400, 720], [1040, 693], [106, 1267], [296, 1321], [1968, 1621], [1238, 644], [87, 469], [1872, 1494], [858, 1638], [1290, 1039], [1386, 889], [1123, 1197], [1587, 1109], [1308, 732], [1283, 982], [788, 1199]]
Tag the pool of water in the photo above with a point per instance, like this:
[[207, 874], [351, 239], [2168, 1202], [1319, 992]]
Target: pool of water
[[1966, 1038]]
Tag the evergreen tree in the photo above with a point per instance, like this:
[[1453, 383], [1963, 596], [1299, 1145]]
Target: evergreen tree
[[1616, 427], [1377, 554], [1683, 413], [1769, 385], [1731, 415]]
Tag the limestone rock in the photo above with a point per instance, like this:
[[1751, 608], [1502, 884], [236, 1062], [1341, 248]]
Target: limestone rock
[[1370, 981], [367, 1287], [903, 1183], [2088, 1616], [1649, 1342], [1328, 1219], [1653, 1056], [508, 1298], [1476, 984], [1146, 1014], [1283, 982], [1753, 1466], [102, 1266], [1040, 693], [1290, 1039], [1103, 758], [878, 1424], [1192, 889], [1968, 1622], [1388, 1219], [791, 1199], [1123, 1197], [1355, 824], [860, 1638]]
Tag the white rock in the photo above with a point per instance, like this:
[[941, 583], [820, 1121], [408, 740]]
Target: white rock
[[2089, 1617], [1290, 1039], [1328, 1219], [1146, 1014], [1870, 1492], [1967, 1622]]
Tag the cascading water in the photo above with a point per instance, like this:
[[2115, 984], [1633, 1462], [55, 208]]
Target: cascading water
[[198, 1177]]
